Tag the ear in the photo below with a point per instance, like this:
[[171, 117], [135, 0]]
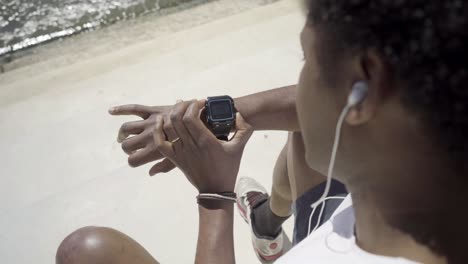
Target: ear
[[372, 69]]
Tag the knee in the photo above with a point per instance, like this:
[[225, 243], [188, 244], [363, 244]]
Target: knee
[[85, 245], [295, 140]]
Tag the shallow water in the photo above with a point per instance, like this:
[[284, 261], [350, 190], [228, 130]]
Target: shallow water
[[25, 23]]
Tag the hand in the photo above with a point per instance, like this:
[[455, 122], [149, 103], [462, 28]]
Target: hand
[[140, 147], [211, 165]]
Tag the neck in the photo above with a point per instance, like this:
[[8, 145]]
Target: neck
[[375, 236], [405, 194], [396, 183]]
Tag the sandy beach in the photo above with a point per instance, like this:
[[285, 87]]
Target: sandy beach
[[61, 165]]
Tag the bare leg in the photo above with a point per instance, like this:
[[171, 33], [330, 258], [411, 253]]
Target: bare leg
[[281, 193], [267, 221], [302, 178], [101, 245], [292, 177]]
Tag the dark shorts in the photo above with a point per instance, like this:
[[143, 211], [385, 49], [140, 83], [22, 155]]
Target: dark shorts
[[302, 209]]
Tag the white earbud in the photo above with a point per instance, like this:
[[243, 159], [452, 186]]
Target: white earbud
[[357, 96], [358, 93]]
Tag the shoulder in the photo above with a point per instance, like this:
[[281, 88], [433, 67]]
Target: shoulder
[[314, 247]]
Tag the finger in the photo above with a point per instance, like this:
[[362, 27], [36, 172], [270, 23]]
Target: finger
[[142, 111], [202, 114], [168, 129], [162, 167], [172, 135], [137, 142], [202, 102], [160, 143], [243, 131], [194, 125], [177, 119], [141, 157], [130, 128]]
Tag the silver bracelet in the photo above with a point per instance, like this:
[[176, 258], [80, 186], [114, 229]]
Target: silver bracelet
[[226, 196]]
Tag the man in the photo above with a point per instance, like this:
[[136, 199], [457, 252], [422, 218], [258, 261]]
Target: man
[[293, 180], [403, 144]]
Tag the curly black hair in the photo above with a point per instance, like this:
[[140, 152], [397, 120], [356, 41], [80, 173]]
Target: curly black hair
[[426, 44]]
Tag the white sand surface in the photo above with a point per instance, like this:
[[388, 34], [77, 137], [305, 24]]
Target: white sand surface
[[62, 169]]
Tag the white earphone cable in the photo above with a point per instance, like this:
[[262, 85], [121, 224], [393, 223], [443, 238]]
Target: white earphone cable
[[336, 143], [321, 212]]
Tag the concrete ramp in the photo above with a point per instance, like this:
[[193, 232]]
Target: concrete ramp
[[62, 169]]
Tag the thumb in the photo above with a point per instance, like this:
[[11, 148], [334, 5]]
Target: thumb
[[243, 131]]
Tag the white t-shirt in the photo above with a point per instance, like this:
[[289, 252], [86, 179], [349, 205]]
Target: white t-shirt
[[334, 242]]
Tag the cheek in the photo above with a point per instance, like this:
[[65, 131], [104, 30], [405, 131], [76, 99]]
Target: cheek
[[314, 112], [304, 94]]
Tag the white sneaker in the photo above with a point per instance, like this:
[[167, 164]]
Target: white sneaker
[[249, 195]]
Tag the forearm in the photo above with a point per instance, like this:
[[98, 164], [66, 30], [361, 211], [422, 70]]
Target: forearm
[[215, 238], [270, 110]]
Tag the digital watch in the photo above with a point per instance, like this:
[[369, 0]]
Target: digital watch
[[220, 116]]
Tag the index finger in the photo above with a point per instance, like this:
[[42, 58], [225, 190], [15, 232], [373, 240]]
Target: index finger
[[142, 111]]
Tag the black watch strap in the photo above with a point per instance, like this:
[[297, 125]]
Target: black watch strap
[[225, 138], [222, 130]]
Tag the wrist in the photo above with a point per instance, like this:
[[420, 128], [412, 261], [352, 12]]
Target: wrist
[[219, 187], [216, 189], [215, 205]]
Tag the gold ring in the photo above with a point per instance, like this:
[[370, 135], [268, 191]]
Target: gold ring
[[175, 140]]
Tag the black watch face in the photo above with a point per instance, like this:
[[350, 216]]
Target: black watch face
[[221, 110]]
